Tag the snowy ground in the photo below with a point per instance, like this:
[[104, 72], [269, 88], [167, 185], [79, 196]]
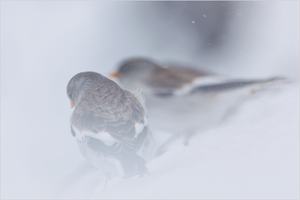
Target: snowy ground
[[255, 155]]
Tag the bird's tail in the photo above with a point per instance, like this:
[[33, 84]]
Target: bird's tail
[[239, 84]]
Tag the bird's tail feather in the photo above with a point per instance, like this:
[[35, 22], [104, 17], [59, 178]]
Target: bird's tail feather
[[237, 84]]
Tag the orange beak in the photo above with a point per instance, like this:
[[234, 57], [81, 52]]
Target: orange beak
[[72, 104], [115, 74]]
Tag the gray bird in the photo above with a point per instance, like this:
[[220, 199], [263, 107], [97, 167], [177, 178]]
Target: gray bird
[[109, 124], [154, 78], [182, 100]]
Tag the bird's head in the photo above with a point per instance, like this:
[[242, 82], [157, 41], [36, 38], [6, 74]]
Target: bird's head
[[80, 83], [135, 71]]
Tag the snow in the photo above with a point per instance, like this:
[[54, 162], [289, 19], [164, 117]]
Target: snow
[[254, 155]]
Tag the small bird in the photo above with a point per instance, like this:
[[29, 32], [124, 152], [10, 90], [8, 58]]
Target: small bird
[[109, 124], [183, 100], [154, 78]]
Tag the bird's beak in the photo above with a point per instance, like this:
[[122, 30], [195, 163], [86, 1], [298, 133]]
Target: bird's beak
[[115, 75], [72, 104]]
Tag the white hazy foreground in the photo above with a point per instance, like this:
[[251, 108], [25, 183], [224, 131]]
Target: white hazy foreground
[[254, 155]]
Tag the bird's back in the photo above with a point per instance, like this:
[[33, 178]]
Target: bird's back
[[173, 78], [114, 112]]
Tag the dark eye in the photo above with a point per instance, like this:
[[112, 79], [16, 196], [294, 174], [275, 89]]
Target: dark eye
[[125, 69], [70, 95], [69, 90]]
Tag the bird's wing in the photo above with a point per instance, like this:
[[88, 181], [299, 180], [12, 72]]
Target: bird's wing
[[168, 80], [133, 120], [187, 73], [124, 120], [212, 84]]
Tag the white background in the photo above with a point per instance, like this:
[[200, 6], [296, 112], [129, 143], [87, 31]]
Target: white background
[[43, 44]]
